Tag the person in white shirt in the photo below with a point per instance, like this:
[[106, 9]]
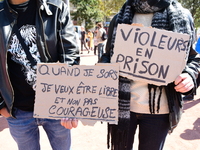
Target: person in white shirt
[[101, 43]]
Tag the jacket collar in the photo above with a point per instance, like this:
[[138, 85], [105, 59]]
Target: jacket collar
[[44, 6], [12, 14]]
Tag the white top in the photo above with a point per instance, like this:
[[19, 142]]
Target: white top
[[99, 35], [139, 90]]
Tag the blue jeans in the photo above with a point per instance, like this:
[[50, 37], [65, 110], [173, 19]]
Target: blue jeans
[[100, 50], [24, 129], [153, 130]]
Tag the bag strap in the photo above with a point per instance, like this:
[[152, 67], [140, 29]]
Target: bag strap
[[25, 47]]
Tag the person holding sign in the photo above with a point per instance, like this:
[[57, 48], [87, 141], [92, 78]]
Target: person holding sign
[[155, 109], [33, 31]]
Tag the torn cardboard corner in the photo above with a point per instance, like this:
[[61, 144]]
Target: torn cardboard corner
[[137, 24], [88, 93], [150, 55]]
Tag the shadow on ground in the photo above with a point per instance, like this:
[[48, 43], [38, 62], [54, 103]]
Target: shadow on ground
[[192, 134], [189, 104]]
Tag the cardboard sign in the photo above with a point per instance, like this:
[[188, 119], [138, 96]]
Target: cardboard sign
[[82, 92], [150, 55]]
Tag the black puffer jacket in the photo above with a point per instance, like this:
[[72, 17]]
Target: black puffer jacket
[[56, 40]]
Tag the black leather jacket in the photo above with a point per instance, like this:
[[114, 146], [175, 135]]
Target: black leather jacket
[[56, 40]]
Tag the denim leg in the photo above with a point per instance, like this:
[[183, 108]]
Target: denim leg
[[59, 137], [153, 130], [24, 130], [100, 50]]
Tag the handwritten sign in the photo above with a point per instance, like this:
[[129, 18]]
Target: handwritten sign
[[148, 54], [83, 92]]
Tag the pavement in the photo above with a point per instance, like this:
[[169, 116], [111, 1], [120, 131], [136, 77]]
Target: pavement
[[185, 137]]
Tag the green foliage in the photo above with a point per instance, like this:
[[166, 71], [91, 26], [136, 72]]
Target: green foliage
[[111, 7], [88, 11], [193, 6], [92, 11]]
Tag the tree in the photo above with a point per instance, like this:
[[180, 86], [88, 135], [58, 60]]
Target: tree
[[87, 11], [111, 7], [193, 6], [92, 11]]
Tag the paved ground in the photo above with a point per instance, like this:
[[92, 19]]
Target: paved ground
[[185, 137]]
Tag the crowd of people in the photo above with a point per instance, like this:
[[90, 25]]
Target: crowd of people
[[91, 40]]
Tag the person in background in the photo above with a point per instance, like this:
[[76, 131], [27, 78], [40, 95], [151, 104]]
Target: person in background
[[101, 43], [95, 40], [90, 36], [154, 110], [191, 95], [32, 32], [83, 40], [198, 45], [78, 39]]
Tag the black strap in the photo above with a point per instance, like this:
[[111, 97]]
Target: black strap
[[25, 47]]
